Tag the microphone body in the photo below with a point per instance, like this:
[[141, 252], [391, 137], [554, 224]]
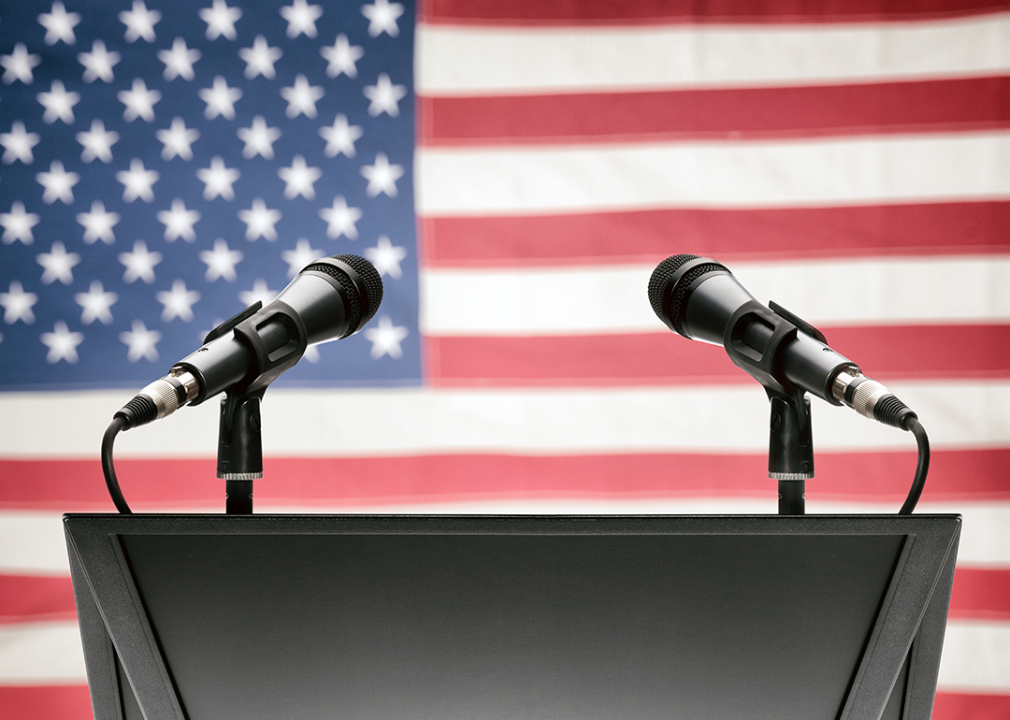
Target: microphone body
[[700, 299], [330, 299]]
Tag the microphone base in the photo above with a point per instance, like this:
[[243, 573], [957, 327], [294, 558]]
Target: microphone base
[[792, 497]]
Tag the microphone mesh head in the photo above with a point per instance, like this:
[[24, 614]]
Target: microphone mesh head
[[661, 277], [369, 277], [660, 287], [373, 283]]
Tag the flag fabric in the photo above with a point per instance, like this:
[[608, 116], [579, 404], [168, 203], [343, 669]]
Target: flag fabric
[[514, 170]]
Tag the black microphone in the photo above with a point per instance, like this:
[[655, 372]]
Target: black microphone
[[700, 299], [330, 299]]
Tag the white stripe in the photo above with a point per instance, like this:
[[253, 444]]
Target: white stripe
[[759, 174], [369, 423], [985, 533], [48, 653], [460, 61], [614, 299], [976, 657], [32, 543]]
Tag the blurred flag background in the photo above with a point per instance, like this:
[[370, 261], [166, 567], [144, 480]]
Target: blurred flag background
[[515, 170]]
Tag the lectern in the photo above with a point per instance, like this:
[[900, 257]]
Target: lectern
[[305, 617]]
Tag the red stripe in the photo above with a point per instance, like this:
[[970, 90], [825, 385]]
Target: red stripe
[[24, 598], [744, 113], [981, 594], [567, 12], [965, 706], [664, 358], [77, 485], [648, 236], [45, 702]]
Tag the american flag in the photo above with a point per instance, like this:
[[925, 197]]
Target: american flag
[[515, 170]]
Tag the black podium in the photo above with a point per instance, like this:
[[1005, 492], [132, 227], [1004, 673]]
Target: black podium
[[305, 617]]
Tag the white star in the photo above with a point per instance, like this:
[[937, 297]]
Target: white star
[[177, 140], [386, 339], [218, 180], [59, 24], [18, 224], [96, 304], [62, 343], [179, 60], [59, 103], [139, 263], [381, 176], [299, 179], [259, 139], [98, 63], [141, 342], [57, 264], [57, 183], [386, 257], [382, 17], [139, 22], [342, 57], [340, 136], [301, 18], [97, 142], [137, 181], [17, 304], [260, 292], [178, 302], [301, 256], [139, 101], [341, 219], [179, 222], [220, 20], [301, 97], [385, 96], [18, 65], [260, 59], [220, 261], [260, 221], [98, 224], [220, 99], [18, 144]]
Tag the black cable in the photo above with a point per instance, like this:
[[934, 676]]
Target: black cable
[[912, 424], [117, 424]]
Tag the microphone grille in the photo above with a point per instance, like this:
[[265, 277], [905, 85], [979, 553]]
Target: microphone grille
[[659, 287], [369, 278], [373, 283], [661, 276]]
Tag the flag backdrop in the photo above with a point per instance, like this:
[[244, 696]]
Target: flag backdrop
[[515, 170]]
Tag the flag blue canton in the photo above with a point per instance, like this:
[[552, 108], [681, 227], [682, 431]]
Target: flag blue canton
[[166, 164]]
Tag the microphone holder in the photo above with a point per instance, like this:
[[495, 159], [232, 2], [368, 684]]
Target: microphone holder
[[753, 339], [240, 439], [240, 449], [790, 448]]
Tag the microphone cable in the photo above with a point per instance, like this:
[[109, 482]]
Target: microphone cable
[[111, 482], [913, 425]]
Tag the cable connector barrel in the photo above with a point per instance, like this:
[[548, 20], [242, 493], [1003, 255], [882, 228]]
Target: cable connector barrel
[[870, 399], [159, 399]]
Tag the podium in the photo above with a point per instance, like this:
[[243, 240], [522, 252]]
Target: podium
[[304, 617]]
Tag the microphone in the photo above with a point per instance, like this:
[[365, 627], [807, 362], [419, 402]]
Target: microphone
[[330, 299], [700, 299]]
